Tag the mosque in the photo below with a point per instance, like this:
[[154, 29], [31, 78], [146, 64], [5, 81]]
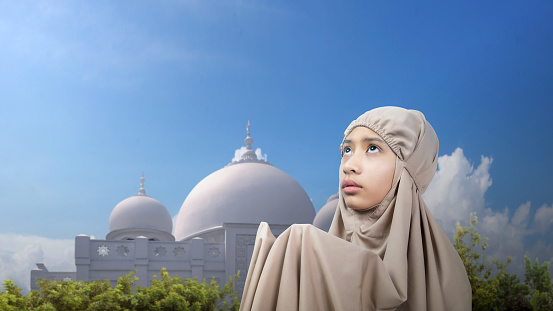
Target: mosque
[[214, 233]]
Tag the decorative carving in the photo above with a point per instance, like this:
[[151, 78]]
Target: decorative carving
[[179, 251], [160, 251], [241, 263], [103, 250], [214, 252], [122, 250], [66, 279]]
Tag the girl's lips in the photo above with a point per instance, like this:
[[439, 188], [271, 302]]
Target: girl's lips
[[349, 183], [350, 186], [351, 189]]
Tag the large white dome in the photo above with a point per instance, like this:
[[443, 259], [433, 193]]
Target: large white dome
[[140, 215], [249, 192]]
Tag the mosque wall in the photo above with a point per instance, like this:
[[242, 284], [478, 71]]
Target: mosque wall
[[217, 253], [240, 241], [104, 259], [43, 273]]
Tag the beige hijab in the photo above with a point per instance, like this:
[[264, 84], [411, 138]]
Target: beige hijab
[[392, 256]]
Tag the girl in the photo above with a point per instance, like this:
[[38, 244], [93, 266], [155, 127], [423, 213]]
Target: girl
[[384, 250]]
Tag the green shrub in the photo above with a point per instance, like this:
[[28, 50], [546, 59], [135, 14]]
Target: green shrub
[[501, 290], [165, 293]]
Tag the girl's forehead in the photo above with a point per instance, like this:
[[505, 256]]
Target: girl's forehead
[[359, 133]]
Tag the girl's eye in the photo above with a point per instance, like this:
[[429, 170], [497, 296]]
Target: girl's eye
[[347, 150], [373, 149]]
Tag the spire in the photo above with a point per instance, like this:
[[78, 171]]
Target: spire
[[249, 155], [248, 139], [142, 191]]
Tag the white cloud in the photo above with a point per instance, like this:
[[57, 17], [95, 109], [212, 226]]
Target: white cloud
[[19, 255], [520, 218], [543, 220], [458, 189], [239, 152]]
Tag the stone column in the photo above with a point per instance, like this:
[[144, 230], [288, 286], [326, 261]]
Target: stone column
[[40, 273], [82, 257], [197, 258], [141, 260]]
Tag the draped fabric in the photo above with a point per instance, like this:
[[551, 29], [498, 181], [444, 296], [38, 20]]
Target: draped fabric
[[391, 256]]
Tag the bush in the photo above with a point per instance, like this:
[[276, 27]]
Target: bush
[[501, 290], [165, 293]]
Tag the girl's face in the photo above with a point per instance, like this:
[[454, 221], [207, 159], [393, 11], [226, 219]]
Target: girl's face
[[367, 169]]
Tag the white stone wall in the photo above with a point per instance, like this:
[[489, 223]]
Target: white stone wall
[[216, 253], [102, 259], [43, 273]]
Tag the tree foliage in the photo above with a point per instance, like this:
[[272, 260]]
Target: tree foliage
[[493, 287], [165, 293]]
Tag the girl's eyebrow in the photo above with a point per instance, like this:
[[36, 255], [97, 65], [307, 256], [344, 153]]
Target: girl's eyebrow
[[373, 139], [369, 139]]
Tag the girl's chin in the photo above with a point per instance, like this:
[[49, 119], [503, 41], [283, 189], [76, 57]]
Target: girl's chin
[[359, 203]]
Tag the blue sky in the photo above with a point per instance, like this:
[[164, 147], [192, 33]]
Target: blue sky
[[94, 93]]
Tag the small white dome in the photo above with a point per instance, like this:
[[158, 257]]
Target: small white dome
[[324, 217], [140, 212], [249, 192], [140, 215]]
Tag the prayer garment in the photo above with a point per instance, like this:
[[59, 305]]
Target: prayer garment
[[393, 256]]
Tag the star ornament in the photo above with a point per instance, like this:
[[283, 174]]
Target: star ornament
[[122, 250], [103, 250], [178, 251], [160, 251]]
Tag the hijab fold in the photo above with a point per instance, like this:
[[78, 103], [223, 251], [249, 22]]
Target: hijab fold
[[392, 256]]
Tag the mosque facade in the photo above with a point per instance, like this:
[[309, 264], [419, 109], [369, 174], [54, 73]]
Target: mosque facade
[[214, 233]]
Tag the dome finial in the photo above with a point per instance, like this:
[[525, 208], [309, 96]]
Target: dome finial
[[249, 155], [241, 156], [248, 140], [142, 191]]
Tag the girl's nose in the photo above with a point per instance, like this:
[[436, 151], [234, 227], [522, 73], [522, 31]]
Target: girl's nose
[[351, 166]]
